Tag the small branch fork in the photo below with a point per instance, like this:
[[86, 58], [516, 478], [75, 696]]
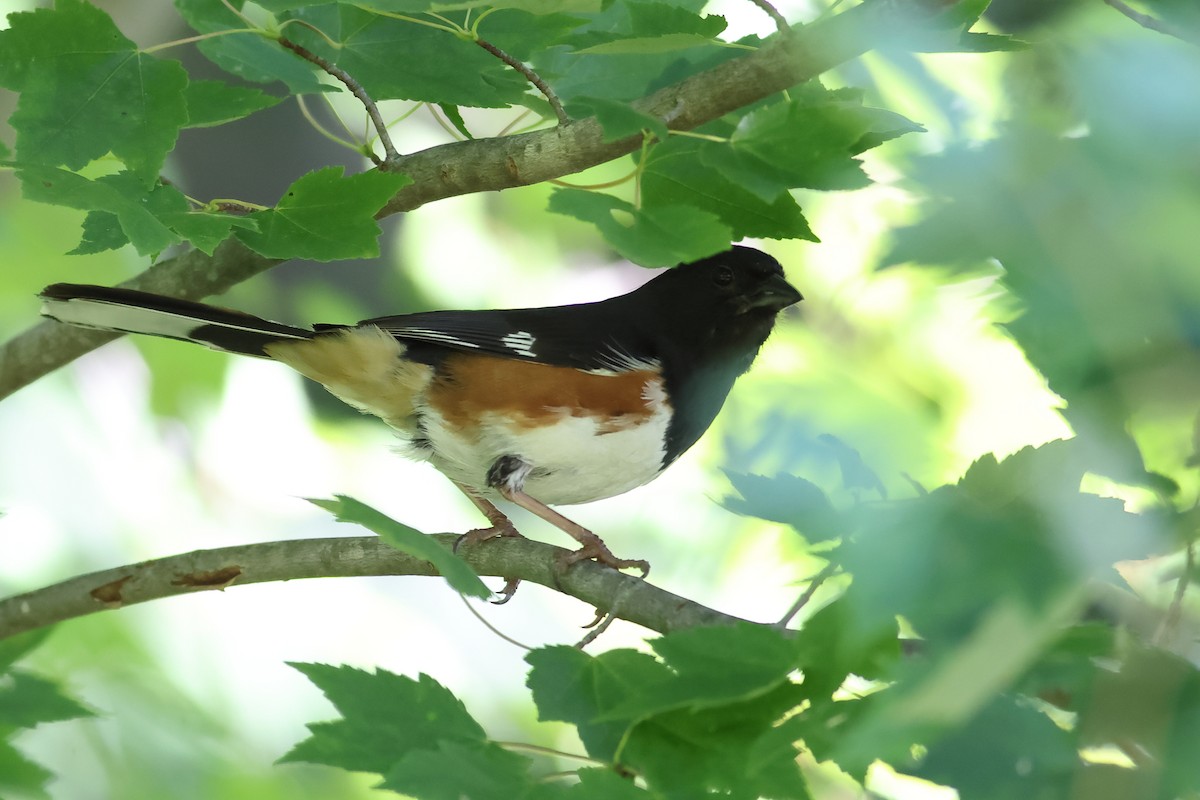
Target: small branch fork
[[624, 596], [389, 150]]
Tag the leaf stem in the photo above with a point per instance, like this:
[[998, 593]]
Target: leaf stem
[[1151, 23], [550, 751], [322, 130], [451, 28], [826, 572], [356, 89], [198, 38], [590, 186]]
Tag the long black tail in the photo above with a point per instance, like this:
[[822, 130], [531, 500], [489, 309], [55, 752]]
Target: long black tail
[[132, 311]]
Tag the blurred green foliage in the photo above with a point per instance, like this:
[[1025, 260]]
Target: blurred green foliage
[[1000, 628]]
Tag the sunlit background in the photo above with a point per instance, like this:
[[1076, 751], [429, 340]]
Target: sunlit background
[[145, 449]]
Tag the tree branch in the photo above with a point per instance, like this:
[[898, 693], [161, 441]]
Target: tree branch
[[538, 82], [483, 165], [626, 596], [389, 150]]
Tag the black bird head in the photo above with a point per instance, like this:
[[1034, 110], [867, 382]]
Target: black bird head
[[722, 307]]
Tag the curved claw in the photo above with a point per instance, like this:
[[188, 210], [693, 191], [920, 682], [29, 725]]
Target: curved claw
[[506, 594]]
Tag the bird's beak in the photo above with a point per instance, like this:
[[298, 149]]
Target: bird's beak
[[775, 294]]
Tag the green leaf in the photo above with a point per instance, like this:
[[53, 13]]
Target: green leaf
[[597, 783], [249, 55], [522, 33], [619, 120], [788, 499], [708, 724], [324, 216], [456, 572], [122, 211], [674, 175], [19, 774], [1151, 703], [658, 237], [14, 648], [86, 90], [101, 232], [658, 28], [808, 141], [714, 666], [384, 718], [456, 119], [454, 770], [569, 685], [215, 103], [1008, 749], [438, 66], [27, 700], [617, 76], [539, 7], [123, 198], [732, 749]]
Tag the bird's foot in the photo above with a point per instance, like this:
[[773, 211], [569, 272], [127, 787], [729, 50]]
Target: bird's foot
[[503, 528], [596, 550]]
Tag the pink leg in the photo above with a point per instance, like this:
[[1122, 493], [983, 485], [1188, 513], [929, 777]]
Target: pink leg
[[593, 545], [500, 526]]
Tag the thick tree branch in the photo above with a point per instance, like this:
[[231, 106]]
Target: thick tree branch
[[484, 165], [626, 596]]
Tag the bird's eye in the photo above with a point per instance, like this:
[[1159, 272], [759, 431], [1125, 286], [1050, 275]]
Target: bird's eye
[[723, 276]]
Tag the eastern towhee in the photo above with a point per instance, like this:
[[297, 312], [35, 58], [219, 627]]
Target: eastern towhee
[[539, 406]]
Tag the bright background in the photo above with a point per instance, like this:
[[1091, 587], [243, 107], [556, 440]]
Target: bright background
[[146, 449]]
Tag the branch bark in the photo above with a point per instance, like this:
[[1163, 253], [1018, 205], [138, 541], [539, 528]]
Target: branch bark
[[626, 596], [484, 165]]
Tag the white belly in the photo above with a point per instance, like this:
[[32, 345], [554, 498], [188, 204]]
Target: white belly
[[576, 460]]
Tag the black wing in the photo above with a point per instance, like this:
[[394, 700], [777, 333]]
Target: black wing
[[590, 336]]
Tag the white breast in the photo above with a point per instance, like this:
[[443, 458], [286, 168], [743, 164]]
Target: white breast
[[575, 460]]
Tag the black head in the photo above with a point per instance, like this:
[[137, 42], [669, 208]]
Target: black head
[[708, 320], [725, 303]]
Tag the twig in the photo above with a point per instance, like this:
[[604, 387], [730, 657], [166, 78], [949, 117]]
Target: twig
[[485, 623], [356, 89], [530, 76], [493, 164], [1171, 622], [813, 585], [780, 20], [1152, 23], [357, 556]]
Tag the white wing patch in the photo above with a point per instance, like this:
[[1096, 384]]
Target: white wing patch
[[614, 360], [430, 335], [520, 343]]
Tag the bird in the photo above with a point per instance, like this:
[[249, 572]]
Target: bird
[[541, 407]]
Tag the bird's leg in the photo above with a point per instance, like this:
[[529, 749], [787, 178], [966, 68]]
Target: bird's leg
[[500, 526], [593, 546], [507, 476]]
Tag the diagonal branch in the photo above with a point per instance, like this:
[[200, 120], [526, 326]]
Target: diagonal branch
[[1151, 23], [485, 165], [538, 82], [357, 556], [356, 89]]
